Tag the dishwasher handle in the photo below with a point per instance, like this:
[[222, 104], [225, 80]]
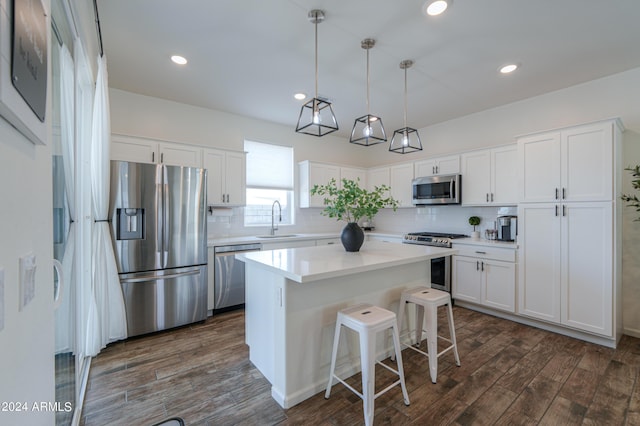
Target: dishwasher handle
[[237, 248]]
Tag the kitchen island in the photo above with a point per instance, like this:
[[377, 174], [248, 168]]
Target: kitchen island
[[293, 296]]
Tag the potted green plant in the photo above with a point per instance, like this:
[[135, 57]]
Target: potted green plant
[[350, 203], [474, 221], [632, 200]]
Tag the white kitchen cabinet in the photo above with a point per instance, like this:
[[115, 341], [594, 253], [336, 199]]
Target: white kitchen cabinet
[[378, 176], [486, 276], [226, 177], [572, 164], [328, 241], [354, 174], [400, 177], [312, 173], [145, 150], [566, 274], [488, 176], [449, 165]]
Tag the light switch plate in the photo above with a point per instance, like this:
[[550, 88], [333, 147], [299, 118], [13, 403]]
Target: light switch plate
[[27, 279], [1, 298]]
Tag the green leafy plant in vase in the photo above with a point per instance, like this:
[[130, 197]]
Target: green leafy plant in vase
[[351, 203], [632, 200], [474, 221]]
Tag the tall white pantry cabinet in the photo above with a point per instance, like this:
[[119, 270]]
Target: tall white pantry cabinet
[[569, 221]]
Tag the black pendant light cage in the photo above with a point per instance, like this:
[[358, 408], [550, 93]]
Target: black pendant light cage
[[317, 113], [368, 130], [406, 139]]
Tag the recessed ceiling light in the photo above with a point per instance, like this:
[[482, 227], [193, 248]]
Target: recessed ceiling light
[[180, 60], [506, 69], [434, 8], [300, 96]]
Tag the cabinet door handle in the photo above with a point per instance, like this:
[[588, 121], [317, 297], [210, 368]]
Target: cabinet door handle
[[481, 252], [162, 157], [223, 198], [227, 198], [564, 193], [477, 265], [153, 157], [492, 197], [433, 170], [564, 210], [482, 266], [487, 197], [556, 210], [556, 193]]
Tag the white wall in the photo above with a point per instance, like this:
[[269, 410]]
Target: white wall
[[27, 340]]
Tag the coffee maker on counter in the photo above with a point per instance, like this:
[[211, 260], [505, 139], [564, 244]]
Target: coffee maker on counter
[[507, 228]]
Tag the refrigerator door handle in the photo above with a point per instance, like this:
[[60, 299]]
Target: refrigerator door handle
[[159, 217], [158, 277], [165, 218]]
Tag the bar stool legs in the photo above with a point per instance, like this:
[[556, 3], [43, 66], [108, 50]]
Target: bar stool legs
[[427, 301], [368, 320]]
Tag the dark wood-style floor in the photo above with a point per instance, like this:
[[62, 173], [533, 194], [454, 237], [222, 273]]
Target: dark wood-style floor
[[511, 374]]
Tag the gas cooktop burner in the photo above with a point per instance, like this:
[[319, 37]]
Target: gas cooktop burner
[[438, 239]]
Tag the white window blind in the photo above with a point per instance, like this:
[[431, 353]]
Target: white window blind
[[269, 166]]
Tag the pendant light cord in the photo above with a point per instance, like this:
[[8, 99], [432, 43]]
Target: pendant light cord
[[405, 97], [368, 86], [316, 28]]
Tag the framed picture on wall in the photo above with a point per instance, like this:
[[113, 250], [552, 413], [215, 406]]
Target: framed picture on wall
[[24, 52]]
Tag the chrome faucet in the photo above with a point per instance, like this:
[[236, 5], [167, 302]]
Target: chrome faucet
[[274, 227]]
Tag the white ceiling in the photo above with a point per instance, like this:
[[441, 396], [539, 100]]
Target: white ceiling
[[249, 57]]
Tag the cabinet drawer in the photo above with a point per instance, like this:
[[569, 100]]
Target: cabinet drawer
[[494, 253]]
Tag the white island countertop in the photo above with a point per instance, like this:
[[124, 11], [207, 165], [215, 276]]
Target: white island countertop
[[308, 264]]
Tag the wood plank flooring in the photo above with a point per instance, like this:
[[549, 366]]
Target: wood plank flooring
[[511, 374]]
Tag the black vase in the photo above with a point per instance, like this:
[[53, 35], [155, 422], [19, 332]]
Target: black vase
[[352, 237]]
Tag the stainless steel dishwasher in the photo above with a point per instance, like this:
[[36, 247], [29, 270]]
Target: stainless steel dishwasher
[[228, 283]]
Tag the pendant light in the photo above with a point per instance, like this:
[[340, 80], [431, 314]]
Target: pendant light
[[317, 113], [405, 140], [368, 129]]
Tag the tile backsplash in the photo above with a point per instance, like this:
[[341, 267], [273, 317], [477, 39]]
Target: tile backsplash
[[228, 222]]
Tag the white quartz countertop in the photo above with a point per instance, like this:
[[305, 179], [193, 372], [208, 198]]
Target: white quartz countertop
[[487, 243], [308, 264], [245, 239]]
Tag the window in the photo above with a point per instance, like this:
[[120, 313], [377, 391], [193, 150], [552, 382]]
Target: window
[[269, 178]]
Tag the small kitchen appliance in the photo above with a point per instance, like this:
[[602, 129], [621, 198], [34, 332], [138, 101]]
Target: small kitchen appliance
[[436, 190], [507, 228], [441, 266]]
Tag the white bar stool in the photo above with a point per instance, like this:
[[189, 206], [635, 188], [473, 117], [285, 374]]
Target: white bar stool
[[368, 320], [429, 299]]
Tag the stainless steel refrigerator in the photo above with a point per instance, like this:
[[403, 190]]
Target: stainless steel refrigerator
[[159, 232]]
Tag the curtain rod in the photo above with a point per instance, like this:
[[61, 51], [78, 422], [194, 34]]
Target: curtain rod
[[95, 10]]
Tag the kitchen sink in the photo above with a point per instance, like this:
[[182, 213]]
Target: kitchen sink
[[277, 236]]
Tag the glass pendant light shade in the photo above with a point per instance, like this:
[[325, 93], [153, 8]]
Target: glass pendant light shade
[[368, 129], [406, 139], [319, 118], [316, 116]]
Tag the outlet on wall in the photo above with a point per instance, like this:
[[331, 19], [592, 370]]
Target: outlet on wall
[[27, 279]]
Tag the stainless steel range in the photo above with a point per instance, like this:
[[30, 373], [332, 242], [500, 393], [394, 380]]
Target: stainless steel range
[[441, 266]]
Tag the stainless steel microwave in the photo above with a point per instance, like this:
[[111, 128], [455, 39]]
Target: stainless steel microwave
[[436, 190]]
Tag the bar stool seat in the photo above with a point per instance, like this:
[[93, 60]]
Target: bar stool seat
[[427, 300], [367, 320]]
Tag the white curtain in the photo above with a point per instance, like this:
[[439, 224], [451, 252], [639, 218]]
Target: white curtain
[[110, 322], [67, 90]]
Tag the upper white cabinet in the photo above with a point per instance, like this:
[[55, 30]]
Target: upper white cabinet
[[355, 174], [400, 177], [488, 176], [312, 173], [449, 165], [378, 176], [226, 177], [573, 164], [144, 150]]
